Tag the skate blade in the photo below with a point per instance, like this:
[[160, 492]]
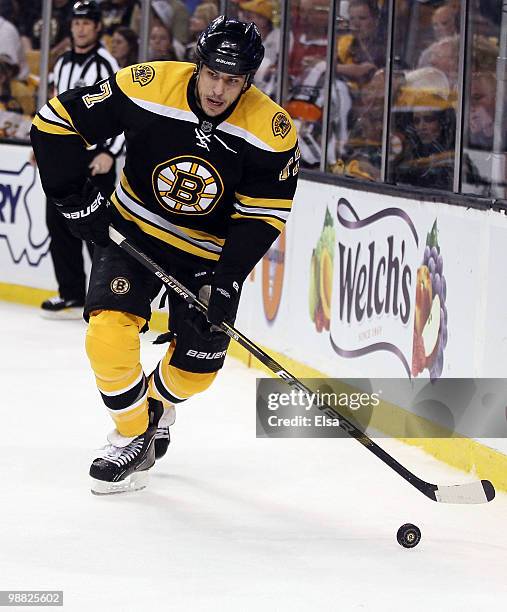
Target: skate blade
[[134, 482], [68, 314]]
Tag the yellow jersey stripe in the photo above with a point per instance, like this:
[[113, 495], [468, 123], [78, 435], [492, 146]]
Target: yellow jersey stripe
[[164, 236], [191, 233], [276, 223], [51, 128], [264, 202], [60, 110]]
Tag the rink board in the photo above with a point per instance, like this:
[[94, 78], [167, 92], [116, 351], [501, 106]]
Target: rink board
[[351, 256]]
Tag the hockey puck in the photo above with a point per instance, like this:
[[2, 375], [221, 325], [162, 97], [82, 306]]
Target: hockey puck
[[408, 535]]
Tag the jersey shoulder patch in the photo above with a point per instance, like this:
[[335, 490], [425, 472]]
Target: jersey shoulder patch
[[160, 83], [263, 119]]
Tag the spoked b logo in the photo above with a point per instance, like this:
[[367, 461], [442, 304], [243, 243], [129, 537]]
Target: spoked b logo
[[120, 285], [187, 185]]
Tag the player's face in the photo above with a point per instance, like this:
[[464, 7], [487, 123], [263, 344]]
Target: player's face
[[217, 90], [85, 33]]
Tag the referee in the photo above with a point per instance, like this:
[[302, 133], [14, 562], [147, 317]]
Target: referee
[[85, 64]]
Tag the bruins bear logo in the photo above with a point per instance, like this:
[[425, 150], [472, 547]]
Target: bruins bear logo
[[120, 285], [281, 125], [142, 74], [187, 185]]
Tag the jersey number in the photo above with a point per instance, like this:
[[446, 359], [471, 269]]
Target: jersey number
[[92, 99]]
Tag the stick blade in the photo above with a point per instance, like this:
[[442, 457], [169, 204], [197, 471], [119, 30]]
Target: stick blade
[[479, 492]]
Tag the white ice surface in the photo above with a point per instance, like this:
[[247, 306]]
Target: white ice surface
[[229, 522]]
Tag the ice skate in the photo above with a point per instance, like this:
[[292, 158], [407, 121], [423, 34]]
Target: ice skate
[[163, 437], [59, 308], [124, 463]]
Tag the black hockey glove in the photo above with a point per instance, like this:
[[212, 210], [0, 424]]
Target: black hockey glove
[[221, 295], [223, 300], [86, 214]]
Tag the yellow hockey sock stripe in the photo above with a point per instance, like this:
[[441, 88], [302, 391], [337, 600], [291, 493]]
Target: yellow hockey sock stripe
[[134, 422]]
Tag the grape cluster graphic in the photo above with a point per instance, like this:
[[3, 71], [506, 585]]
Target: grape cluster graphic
[[430, 326]]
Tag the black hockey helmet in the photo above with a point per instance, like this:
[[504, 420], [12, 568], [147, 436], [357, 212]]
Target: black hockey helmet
[[87, 9], [231, 46]]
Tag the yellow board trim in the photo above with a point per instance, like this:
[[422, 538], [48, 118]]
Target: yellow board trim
[[461, 453], [20, 294]]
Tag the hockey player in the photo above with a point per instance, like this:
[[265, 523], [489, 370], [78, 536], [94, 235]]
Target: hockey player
[[207, 186], [87, 63]]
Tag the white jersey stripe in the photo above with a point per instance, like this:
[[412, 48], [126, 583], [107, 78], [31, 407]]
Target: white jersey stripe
[[154, 219], [271, 212], [166, 111], [234, 130], [47, 113]]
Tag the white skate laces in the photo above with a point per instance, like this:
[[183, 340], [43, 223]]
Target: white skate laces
[[121, 450]]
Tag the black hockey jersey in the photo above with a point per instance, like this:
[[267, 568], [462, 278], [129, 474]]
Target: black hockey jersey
[[81, 69], [190, 181]]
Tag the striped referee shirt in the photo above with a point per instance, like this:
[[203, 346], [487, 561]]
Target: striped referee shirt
[[81, 69]]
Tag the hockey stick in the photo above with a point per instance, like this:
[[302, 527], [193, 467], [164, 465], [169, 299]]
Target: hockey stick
[[477, 492]]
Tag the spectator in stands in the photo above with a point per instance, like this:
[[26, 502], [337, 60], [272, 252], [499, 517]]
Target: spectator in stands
[[307, 69], [14, 124], [443, 55], [261, 13], [425, 128], [485, 52], [31, 28], [125, 46], [181, 18], [163, 15], [363, 52], [174, 15], [23, 92], [445, 21], [482, 111], [10, 40], [310, 37], [361, 156], [7, 101], [161, 44], [115, 14], [203, 15]]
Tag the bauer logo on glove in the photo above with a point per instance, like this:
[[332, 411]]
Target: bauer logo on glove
[[78, 214], [86, 214]]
